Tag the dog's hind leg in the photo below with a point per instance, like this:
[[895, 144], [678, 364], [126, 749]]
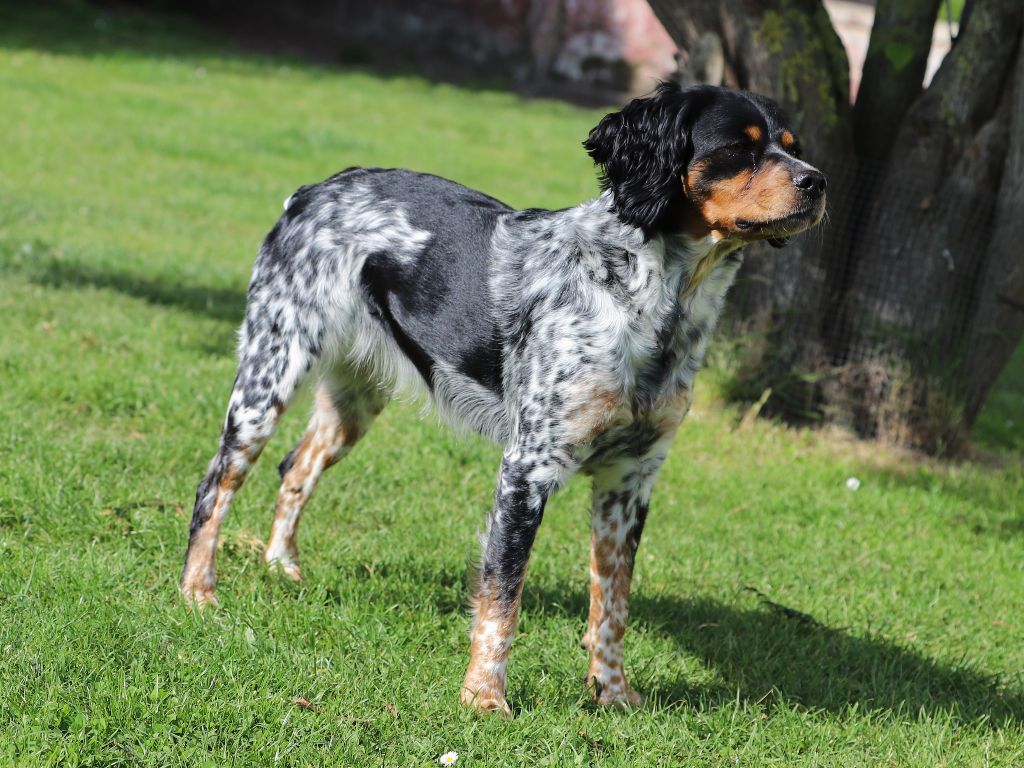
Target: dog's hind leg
[[346, 405], [276, 353]]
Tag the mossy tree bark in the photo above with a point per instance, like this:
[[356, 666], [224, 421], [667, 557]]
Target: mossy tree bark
[[898, 316], [893, 72]]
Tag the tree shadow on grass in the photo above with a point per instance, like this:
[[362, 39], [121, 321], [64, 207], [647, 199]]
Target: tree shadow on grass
[[76, 28], [81, 29], [222, 304]]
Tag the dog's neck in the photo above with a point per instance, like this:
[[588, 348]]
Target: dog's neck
[[700, 257], [686, 254]]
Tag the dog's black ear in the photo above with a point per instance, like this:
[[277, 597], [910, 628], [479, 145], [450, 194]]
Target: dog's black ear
[[778, 242], [643, 150]]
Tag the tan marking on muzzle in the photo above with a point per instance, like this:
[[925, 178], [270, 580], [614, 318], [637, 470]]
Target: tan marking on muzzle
[[761, 196]]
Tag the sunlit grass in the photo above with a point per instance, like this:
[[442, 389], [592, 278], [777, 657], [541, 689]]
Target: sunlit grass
[[139, 170]]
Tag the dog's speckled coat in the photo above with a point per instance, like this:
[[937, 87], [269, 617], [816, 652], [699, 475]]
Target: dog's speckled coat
[[572, 337]]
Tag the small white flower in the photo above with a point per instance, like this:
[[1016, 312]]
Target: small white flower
[[852, 483], [448, 758]]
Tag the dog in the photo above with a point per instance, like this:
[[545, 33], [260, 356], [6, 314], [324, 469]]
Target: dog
[[572, 337]]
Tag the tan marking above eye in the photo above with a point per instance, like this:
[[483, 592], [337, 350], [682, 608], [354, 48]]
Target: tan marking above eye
[[754, 132], [787, 139]]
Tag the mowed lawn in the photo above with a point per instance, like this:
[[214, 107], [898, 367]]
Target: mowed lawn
[[779, 618]]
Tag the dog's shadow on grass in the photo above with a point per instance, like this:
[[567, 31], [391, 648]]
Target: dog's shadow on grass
[[770, 652], [765, 654]]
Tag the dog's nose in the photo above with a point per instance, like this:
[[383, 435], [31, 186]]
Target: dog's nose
[[811, 182]]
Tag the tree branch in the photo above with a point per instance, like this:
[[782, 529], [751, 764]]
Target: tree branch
[[894, 68], [963, 95]]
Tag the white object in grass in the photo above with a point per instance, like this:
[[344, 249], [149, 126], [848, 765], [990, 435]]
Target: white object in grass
[[852, 483], [448, 758]]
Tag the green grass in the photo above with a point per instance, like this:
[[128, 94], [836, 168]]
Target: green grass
[[139, 169], [1000, 425]]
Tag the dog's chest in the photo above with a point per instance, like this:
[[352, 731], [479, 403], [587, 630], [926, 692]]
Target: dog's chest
[[667, 339], [662, 348]]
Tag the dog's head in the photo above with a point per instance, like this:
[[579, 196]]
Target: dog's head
[[710, 162]]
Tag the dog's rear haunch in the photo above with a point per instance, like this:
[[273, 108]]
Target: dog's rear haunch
[[572, 337]]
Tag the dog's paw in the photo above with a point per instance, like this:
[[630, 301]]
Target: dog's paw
[[618, 694], [485, 702], [199, 596], [626, 699], [285, 566], [282, 556]]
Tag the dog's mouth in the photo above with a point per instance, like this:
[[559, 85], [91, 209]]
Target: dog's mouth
[[780, 229]]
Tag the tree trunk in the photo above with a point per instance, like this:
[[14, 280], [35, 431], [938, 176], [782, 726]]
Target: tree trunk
[[897, 317], [999, 322], [901, 330]]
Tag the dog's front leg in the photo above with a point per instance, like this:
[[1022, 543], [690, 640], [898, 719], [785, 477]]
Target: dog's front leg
[[622, 493], [523, 487]]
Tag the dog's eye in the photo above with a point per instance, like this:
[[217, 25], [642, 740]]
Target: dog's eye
[[796, 151]]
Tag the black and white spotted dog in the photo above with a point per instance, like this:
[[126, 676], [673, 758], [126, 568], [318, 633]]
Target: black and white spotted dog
[[572, 337]]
